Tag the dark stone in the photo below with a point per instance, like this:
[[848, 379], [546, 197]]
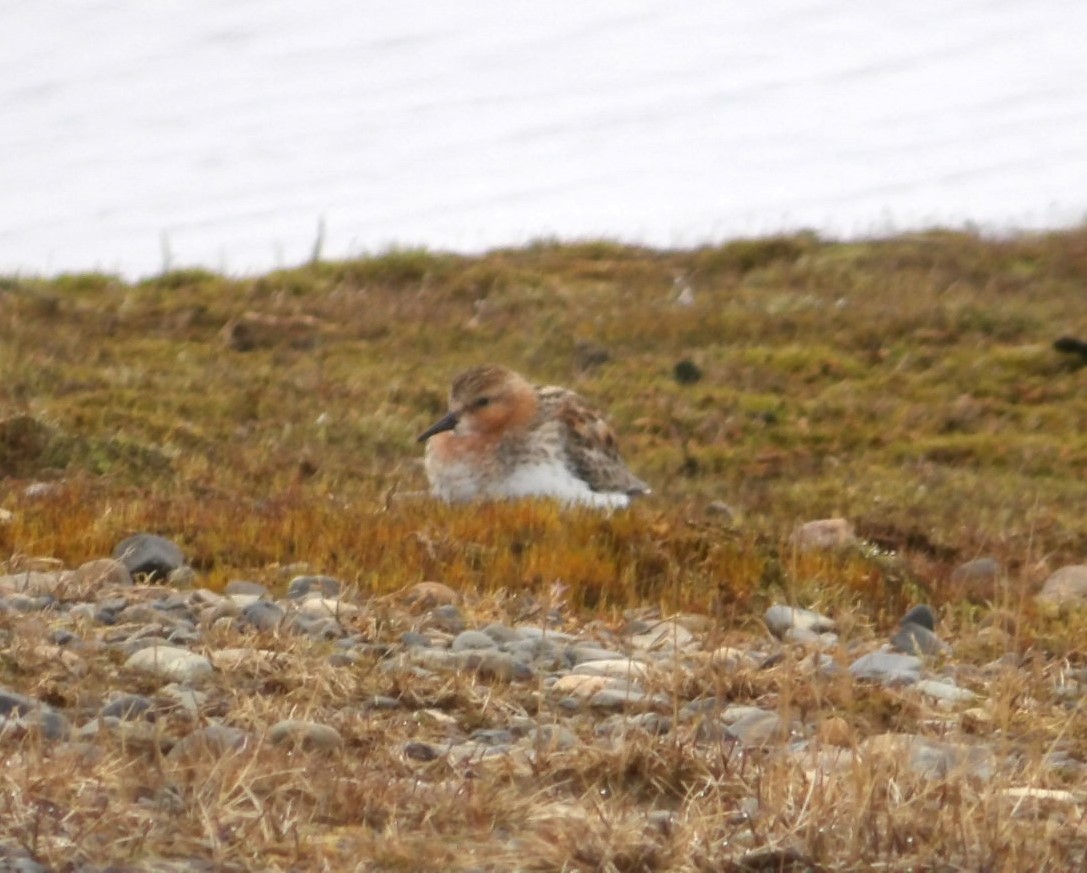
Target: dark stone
[[128, 707], [262, 614], [446, 618], [11, 702], [687, 372], [916, 639], [149, 555], [921, 615]]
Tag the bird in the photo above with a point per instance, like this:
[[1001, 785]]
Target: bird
[[504, 437]]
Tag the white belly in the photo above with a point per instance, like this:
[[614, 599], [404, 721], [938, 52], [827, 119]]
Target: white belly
[[458, 482]]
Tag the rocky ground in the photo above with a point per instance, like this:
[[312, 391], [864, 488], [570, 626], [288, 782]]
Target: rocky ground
[[156, 724]]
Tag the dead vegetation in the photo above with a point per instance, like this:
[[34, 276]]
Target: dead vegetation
[[910, 385]]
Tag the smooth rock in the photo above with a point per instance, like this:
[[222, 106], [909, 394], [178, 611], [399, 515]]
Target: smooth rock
[[328, 607], [170, 662], [312, 626], [149, 555], [307, 735], [182, 577], [100, 573], [500, 633], [300, 586], [498, 665], [1064, 587], [889, 668], [835, 731], [933, 759], [664, 636], [244, 586], [427, 595], [780, 618], [447, 618], [471, 640], [20, 714], [612, 699], [215, 740], [551, 738], [914, 639], [128, 706], [922, 615], [759, 729], [944, 691], [824, 533], [262, 615], [986, 569], [623, 668], [579, 654], [580, 685]]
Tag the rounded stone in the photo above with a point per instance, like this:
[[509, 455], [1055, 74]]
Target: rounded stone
[[889, 668], [471, 640], [301, 586], [244, 586], [170, 662], [307, 735], [780, 618], [128, 706], [215, 740], [922, 615], [150, 555], [262, 615], [1065, 587], [915, 639]]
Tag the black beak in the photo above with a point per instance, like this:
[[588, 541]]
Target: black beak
[[447, 423]]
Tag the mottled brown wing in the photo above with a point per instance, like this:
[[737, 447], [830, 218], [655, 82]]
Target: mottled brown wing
[[591, 447]]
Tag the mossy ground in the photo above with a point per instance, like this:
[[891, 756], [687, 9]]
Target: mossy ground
[[908, 384]]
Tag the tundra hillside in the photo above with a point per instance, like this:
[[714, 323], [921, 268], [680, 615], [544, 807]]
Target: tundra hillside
[[930, 390]]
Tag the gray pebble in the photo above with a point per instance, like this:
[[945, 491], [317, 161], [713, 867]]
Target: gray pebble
[[615, 699], [244, 586], [312, 626], [215, 740], [552, 738], [780, 618], [978, 570], [262, 615], [500, 633], [498, 665], [888, 668], [493, 736], [758, 729], [921, 615], [446, 618], [417, 751], [915, 639], [944, 690], [149, 555], [381, 702], [579, 654], [182, 577], [128, 706], [470, 640], [300, 586], [414, 639], [307, 735], [170, 662]]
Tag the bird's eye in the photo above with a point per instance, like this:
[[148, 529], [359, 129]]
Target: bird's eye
[[483, 401]]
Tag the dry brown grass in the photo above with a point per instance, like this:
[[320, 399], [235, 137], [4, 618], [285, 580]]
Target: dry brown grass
[[908, 384]]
